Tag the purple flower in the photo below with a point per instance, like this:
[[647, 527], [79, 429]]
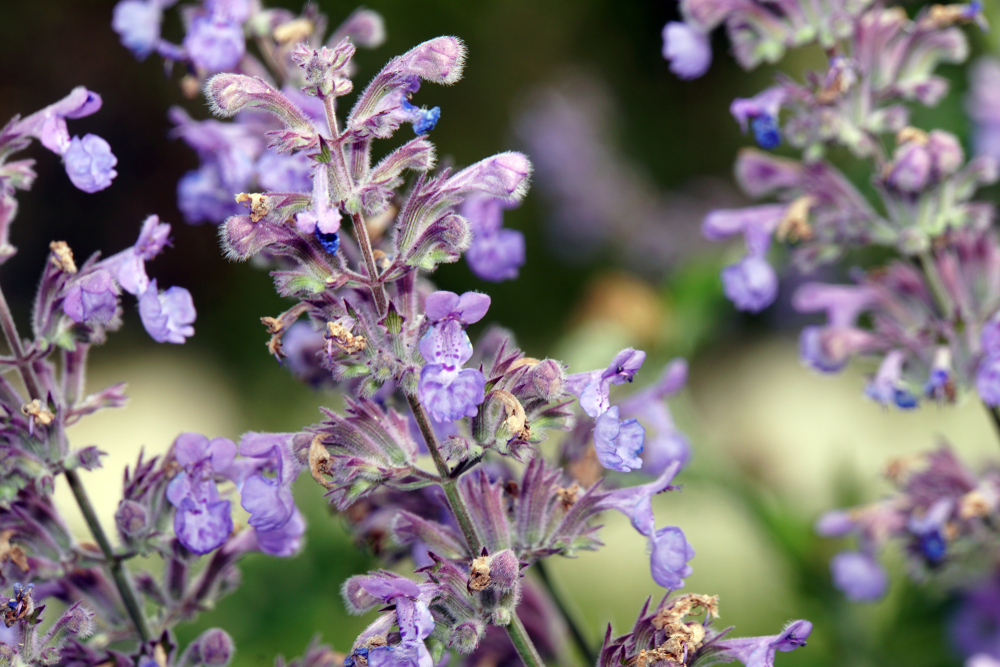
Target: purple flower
[[975, 627], [761, 113], [887, 385], [137, 23], [828, 348], [635, 502], [687, 49], [446, 390], [670, 556], [496, 254], [322, 217], [49, 124], [751, 284], [167, 315], [618, 443], [285, 540], [90, 163], [984, 107], [835, 523], [129, 266], [988, 381], [858, 576], [759, 651], [667, 444], [756, 223], [201, 196], [214, 44], [202, 521], [415, 624], [989, 338], [594, 388], [284, 173], [92, 299], [269, 500]]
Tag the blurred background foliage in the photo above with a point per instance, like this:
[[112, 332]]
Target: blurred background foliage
[[773, 444]]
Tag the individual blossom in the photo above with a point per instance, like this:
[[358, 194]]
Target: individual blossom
[[129, 266], [92, 299], [983, 106], [448, 391], [496, 254], [137, 23], [214, 43], [268, 499], [669, 557], [168, 315], [687, 48], [887, 387], [667, 444], [751, 284], [618, 443], [90, 163], [203, 520], [760, 651], [859, 576], [594, 388]]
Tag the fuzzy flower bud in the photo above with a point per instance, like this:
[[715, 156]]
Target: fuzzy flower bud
[[131, 518], [465, 637]]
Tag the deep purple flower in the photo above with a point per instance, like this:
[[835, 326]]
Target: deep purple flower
[[496, 254], [618, 443], [670, 556], [687, 49], [859, 576], [92, 299], [167, 315], [214, 44], [90, 163], [751, 284], [759, 651], [137, 23]]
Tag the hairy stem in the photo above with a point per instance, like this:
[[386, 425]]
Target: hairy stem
[[129, 598], [937, 285], [574, 628], [448, 483], [515, 630], [17, 349], [522, 643], [378, 289]]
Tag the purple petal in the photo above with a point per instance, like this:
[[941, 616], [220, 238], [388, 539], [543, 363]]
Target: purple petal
[[283, 541], [669, 558], [687, 49], [448, 395], [859, 576], [751, 284], [90, 163]]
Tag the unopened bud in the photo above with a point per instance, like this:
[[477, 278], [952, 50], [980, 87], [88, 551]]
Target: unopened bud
[[499, 572], [214, 647], [131, 518], [547, 378], [465, 637]]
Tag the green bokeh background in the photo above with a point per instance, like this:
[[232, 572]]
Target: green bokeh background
[[675, 131]]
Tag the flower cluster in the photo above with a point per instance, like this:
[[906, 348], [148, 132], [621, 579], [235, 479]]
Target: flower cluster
[[930, 308]]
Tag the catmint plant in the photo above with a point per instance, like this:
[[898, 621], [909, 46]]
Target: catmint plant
[[438, 448], [293, 182]]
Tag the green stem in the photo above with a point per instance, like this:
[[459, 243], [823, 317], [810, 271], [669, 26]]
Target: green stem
[[937, 285], [515, 630], [118, 573], [448, 483], [522, 643], [17, 349], [378, 289], [574, 628]]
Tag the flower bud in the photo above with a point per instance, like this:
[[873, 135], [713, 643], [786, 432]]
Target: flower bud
[[911, 168], [131, 518], [214, 647], [547, 379], [945, 151], [438, 60], [504, 176], [465, 636]]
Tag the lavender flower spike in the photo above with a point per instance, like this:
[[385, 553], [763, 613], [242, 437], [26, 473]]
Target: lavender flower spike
[[167, 315], [687, 49]]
